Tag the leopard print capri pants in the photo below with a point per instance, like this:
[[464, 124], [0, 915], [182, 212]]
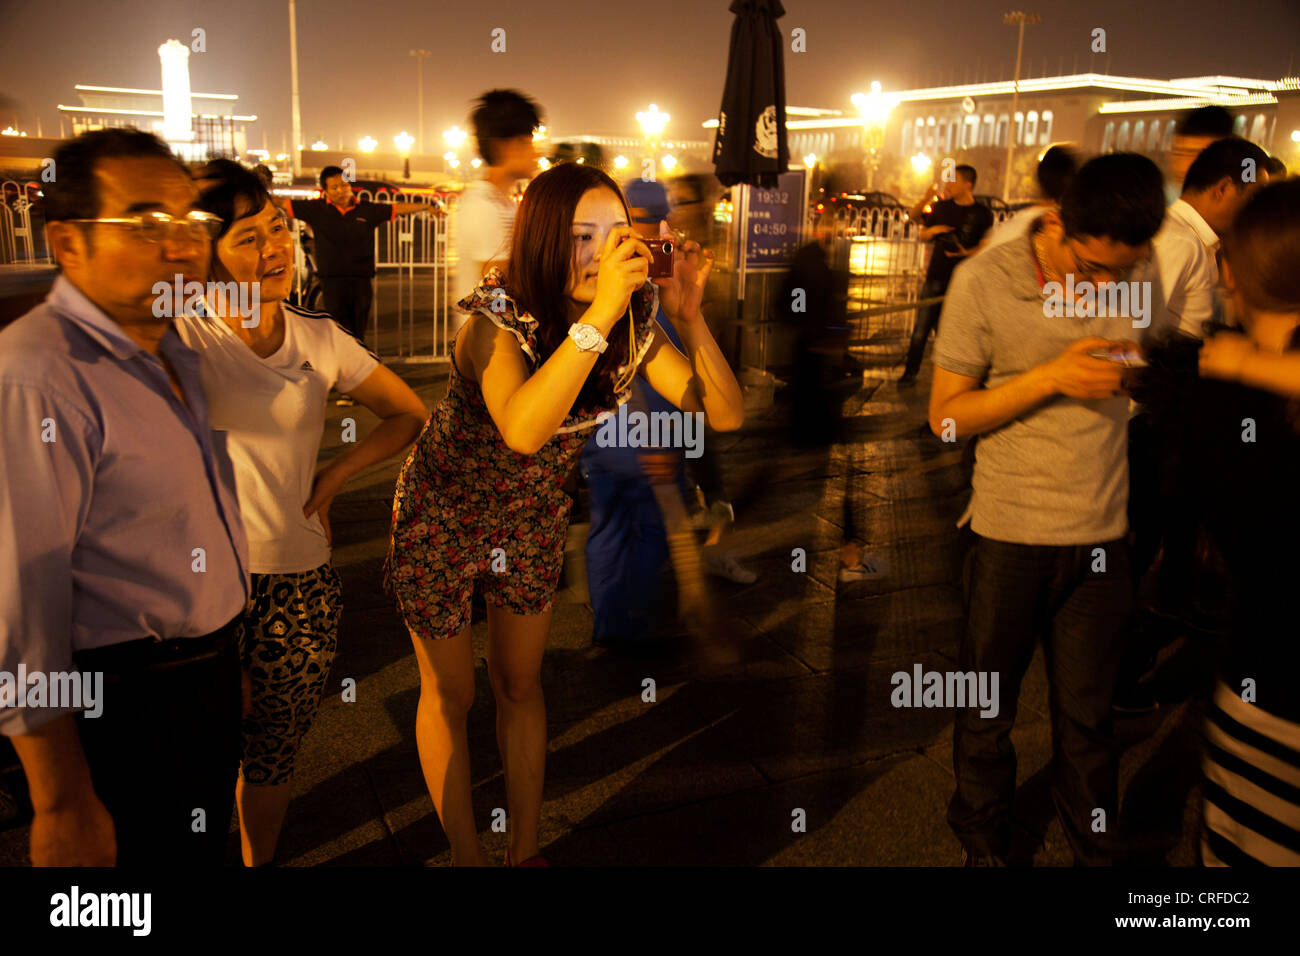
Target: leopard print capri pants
[[287, 638]]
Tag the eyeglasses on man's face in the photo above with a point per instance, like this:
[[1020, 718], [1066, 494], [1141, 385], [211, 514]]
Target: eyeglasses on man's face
[[160, 227], [1092, 270]]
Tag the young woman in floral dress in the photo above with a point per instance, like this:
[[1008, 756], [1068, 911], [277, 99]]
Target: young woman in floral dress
[[551, 343]]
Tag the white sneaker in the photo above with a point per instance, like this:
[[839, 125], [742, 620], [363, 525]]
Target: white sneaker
[[726, 566]]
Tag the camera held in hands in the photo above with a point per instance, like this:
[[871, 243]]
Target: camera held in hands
[[661, 257]]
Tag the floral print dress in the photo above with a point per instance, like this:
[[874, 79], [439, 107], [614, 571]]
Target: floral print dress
[[469, 508]]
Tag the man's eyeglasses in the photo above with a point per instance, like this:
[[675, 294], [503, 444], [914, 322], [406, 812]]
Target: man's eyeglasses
[[159, 227], [1091, 270]]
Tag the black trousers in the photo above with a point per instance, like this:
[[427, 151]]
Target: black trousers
[[166, 746], [348, 299], [927, 321], [1017, 593]]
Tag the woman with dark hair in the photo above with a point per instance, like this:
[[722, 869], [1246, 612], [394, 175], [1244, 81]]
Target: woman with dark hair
[[267, 367], [1240, 461], [552, 342]]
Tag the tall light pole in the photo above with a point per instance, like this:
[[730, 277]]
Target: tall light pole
[[420, 56], [1013, 18], [293, 79], [874, 108]]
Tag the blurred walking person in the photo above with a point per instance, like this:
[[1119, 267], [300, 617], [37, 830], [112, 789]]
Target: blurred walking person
[[504, 122], [1196, 130], [1055, 172]]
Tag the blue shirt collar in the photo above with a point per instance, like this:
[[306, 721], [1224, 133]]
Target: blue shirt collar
[[73, 304]]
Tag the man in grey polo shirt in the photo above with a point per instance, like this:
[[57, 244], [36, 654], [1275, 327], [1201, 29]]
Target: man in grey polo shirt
[[1013, 364], [122, 552]]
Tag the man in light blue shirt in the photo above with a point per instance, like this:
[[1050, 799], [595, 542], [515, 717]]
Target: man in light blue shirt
[[122, 553]]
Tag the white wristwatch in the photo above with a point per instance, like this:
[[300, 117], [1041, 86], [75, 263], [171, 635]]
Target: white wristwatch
[[587, 337]]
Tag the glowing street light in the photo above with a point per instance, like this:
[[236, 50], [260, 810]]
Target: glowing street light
[[539, 134], [320, 145], [543, 164], [476, 162], [368, 144], [620, 161], [920, 164], [652, 123], [810, 160], [670, 162], [874, 108], [455, 137], [1295, 135], [403, 141]]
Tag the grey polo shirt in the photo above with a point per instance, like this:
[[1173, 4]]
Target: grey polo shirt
[[118, 515], [1058, 474]]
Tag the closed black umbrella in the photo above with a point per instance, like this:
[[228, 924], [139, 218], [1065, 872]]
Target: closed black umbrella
[[751, 143]]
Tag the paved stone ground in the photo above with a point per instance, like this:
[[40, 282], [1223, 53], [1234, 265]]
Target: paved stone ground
[[712, 772]]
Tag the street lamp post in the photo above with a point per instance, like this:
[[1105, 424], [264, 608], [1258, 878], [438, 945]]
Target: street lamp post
[[455, 138], [652, 126], [1015, 17], [293, 80], [403, 141], [874, 107], [420, 56]]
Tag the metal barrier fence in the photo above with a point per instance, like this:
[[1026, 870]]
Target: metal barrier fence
[[411, 310], [22, 235], [885, 258], [412, 317]]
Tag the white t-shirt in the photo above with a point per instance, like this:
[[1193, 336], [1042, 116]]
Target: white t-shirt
[[273, 411], [484, 222], [1185, 250]]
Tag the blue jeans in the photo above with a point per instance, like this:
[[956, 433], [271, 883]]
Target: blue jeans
[[1017, 593]]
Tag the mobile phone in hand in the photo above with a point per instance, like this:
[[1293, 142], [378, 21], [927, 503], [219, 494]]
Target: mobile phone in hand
[[1128, 358]]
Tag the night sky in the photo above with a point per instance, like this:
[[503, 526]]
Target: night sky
[[593, 63]]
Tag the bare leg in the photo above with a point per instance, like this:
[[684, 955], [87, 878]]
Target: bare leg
[[515, 645], [446, 695], [261, 815]]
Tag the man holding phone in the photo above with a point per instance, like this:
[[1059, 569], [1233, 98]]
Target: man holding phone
[[1045, 393]]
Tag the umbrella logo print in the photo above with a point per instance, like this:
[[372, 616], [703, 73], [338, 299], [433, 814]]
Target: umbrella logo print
[[765, 134]]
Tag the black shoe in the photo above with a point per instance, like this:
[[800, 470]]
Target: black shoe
[[981, 859]]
